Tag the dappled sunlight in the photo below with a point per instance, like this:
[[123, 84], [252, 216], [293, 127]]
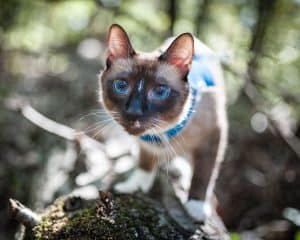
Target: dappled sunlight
[[51, 54]]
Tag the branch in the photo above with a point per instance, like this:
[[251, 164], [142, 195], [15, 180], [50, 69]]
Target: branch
[[202, 16], [173, 15], [23, 214], [256, 99], [251, 79], [21, 105]]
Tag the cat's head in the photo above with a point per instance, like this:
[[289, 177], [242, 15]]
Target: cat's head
[[144, 92]]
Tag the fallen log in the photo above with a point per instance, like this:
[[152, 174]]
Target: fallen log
[[119, 217]]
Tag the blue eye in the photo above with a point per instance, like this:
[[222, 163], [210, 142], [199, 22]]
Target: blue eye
[[160, 92], [121, 86]]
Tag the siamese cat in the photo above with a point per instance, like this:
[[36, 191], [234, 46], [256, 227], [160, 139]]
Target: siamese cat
[[172, 97]]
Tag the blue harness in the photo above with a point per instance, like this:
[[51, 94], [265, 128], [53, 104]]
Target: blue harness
[[199, 74]]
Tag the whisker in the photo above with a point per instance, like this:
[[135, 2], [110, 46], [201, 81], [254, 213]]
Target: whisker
[[171, 152], [106, 125], [96, 125], [99, 113]]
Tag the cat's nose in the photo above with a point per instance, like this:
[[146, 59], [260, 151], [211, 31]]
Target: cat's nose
[[134, 111], [134, 108]]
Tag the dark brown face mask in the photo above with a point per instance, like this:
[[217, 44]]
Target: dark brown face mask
[[147, 92]]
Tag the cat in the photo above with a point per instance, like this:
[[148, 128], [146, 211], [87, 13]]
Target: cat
[[172, 96]]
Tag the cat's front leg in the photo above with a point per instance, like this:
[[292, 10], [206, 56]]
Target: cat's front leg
[[207, 159], [142, 177]]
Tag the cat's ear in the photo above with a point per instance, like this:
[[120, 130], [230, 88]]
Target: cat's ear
[[180, 53], [119, 45]]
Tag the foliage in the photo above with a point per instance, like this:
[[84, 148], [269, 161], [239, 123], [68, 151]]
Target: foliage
[[51, 51]]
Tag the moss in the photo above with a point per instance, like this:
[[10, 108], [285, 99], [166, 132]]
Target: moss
[[125, 217]]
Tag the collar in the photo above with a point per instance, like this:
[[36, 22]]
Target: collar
[[199, 76], [174, 131]]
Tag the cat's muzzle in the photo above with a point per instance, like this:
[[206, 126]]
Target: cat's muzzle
[[135, 127]]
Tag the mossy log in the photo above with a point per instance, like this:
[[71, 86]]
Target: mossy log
[[111, 217]]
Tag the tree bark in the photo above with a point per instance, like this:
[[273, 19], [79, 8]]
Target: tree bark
[[120, 217]]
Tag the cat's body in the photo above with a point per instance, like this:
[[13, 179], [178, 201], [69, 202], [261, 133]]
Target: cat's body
[[174, 101]]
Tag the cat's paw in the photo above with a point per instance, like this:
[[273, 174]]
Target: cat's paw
[[198, 210], [138, 180]]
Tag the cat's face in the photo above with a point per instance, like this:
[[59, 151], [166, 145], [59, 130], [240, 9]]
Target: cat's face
[[145, 93]]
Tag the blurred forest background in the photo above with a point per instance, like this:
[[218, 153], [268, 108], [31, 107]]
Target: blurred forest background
[[52, 50]]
